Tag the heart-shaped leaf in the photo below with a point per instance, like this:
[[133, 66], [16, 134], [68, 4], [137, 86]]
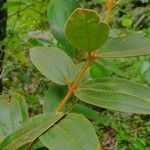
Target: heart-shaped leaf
[[55, 64], [85, 31]]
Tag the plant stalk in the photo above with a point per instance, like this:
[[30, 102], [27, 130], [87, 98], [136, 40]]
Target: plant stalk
[[92, 57], [110, 4], [73, 87]]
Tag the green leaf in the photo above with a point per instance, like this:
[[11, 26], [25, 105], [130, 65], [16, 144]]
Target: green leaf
[[130, 46], [53, 63], [127, 22], [52, 97], [30, 130], [58, 13], [74, 132], [89, 113], [117, 94], [112, 67], [98, 70], [85, 31], [13, 112], [40, 42]]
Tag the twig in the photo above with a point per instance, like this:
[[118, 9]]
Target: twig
[[110, 4], [140, 20], [2, 72], [92, 57]]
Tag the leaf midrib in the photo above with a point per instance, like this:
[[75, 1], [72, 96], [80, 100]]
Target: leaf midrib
[[24, 135], [113, 92], [125, 50], [87, 29], [112, 102]]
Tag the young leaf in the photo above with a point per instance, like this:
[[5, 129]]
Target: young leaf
[[30, 130], [85, 31], [58, 13], [117, 94], [130, 46], [74, 132], [13, 112], [53, 63]]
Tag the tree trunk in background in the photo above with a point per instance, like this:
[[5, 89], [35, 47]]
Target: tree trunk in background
[[3, 26]]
